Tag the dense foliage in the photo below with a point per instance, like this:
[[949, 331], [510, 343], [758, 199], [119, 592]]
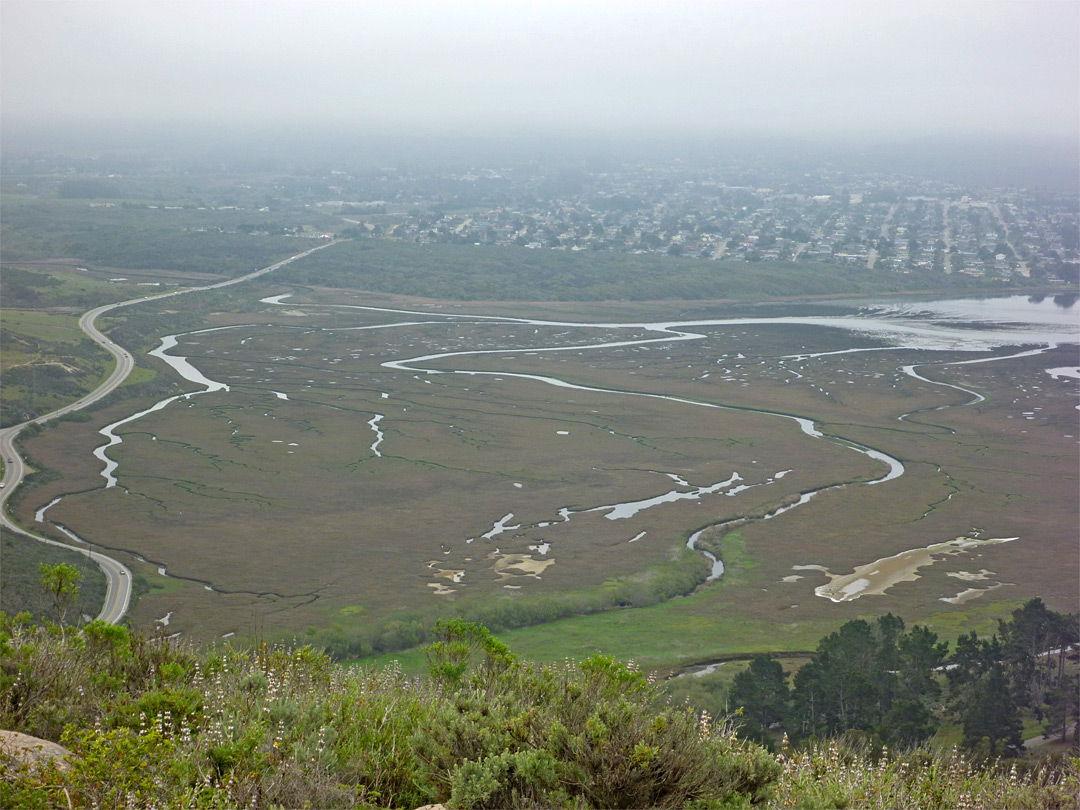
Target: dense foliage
[[877, 678], [20, 577], [151, 723], [470, 273], [845, 773], [48, 362], [123, 237]]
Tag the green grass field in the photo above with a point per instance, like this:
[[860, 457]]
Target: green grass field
[[48, 363], [515, 274]]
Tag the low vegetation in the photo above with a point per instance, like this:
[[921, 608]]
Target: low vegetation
[[48, 362], [152, 723], [846, 773], [650, 587], [491, 273], [133, 236]]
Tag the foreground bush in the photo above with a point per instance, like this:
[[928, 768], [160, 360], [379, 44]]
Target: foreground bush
[[843, 774], [511, 735], [154, 725]]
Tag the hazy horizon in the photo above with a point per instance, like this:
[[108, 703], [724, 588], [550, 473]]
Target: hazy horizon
[[593, 70]]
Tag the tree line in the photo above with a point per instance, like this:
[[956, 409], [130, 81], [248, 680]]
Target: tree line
[[901, 685], [497, 273]]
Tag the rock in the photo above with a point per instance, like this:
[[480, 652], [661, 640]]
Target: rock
[[31, 751]]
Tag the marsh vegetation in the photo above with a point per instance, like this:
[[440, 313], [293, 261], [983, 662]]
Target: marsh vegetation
[[540, 469], [370, 461]]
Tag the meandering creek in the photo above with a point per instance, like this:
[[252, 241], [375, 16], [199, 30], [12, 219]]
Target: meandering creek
[[900, 328]]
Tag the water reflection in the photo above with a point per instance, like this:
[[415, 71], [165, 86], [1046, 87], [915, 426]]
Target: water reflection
[[1063, 300], [1038, 309]]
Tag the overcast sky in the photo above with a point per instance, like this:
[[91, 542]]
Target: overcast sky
[[797, 67]]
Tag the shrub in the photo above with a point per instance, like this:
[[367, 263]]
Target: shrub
[[512, 734], [155, 725]]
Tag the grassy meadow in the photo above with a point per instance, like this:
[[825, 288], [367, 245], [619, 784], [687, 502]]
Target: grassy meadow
[[48, 363]]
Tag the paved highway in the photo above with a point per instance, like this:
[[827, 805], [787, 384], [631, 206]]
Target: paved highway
[[117, 576]]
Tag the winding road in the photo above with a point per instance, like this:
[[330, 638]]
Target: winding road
[[117, 575]]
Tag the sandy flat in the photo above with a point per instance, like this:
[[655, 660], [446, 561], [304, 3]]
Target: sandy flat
[[969, 594], [877, 577], [524, 563]]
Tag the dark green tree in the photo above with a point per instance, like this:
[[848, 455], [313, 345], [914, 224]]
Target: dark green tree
[[871, 677], [907, 723], [971, 658], [836, 691], [1026, 642], [1063, 706], [921, 657], [909, 719], [1033, 647], [990, 715], [762, 693]]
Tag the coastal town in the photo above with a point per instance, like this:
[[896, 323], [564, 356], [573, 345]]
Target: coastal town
[[727, 210], [901, 223]]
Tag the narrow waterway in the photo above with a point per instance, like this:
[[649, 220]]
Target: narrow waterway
[[903, 332]]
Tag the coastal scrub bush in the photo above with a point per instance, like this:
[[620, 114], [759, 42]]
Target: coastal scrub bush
[[597, 733], [151, 723]]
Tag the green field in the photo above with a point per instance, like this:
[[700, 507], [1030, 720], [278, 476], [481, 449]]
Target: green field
[[329, 497], [124, 252], [48, 362]]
